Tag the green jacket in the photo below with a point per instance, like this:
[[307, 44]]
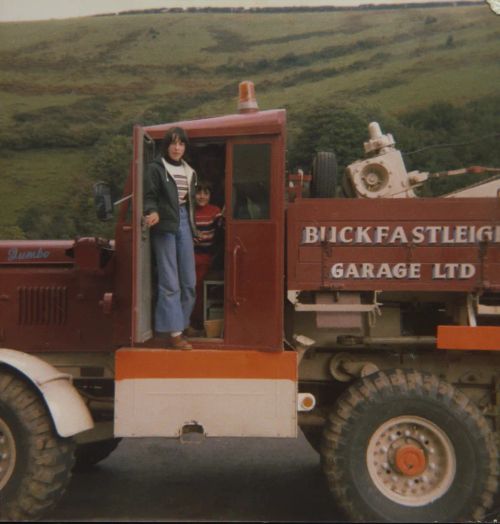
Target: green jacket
[[160, 195]]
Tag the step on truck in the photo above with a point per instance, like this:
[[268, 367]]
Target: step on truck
[[340, 305]]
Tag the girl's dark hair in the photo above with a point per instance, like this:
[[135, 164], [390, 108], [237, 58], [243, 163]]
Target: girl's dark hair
[[172, 135], [204, 184]]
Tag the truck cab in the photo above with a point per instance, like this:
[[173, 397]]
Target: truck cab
[[244, 156]]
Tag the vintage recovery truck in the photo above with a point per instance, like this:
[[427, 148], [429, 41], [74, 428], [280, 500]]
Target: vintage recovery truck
[[343, 306]]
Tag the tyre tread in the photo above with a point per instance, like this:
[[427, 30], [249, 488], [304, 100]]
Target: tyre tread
[[324, 180], [51, 457], [404, 382]]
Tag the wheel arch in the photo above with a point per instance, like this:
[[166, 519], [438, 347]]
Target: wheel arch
[[67, 409]]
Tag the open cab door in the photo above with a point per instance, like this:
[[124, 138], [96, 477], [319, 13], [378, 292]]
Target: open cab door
[[142, 318]]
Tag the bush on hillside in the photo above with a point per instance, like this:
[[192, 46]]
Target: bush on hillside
[[74, 215]]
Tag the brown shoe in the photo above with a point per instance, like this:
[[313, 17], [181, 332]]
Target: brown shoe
[[178, 342]]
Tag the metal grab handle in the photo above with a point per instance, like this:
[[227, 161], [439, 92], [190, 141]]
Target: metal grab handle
[[235, 300]]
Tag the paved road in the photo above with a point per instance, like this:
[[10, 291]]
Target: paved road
[[274, 480]]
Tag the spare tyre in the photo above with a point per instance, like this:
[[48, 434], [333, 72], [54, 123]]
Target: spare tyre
[[324, 175]]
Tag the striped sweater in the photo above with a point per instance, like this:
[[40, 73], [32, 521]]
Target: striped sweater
[[178, 173], [207, 219]]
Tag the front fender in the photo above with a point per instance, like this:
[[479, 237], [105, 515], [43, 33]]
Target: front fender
[[67, 409]]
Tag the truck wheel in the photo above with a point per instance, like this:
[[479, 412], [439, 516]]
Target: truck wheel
[[324, 175], [405, 446], [35, 463], [88, 455]]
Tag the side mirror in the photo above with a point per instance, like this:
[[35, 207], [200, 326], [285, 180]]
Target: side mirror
[[102, 201]]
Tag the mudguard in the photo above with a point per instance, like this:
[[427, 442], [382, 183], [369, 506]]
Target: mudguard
[[67, 408]]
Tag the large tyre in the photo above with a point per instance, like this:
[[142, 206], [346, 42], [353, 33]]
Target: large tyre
[[405, 446], [324, 175], [35, 463], [88, 455]]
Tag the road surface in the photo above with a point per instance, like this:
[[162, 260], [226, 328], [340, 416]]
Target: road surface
[[273, 480]]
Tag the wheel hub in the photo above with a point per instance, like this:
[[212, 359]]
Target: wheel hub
[[7, 453], [411, 460]]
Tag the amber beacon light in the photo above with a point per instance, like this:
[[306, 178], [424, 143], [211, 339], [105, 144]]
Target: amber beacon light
[[247, 102]]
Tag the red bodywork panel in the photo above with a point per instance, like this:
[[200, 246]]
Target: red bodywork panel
[[394, 244], [51, 295]]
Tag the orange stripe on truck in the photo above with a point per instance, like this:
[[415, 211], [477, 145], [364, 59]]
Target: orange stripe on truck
[[469, 337], [134, 363]]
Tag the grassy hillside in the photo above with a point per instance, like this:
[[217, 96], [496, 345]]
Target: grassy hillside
[[66, 84]]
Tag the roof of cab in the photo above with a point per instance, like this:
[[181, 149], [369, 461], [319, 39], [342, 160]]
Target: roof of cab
[[258, 123]]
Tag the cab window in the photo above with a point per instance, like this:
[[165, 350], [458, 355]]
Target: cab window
[[251, 181]]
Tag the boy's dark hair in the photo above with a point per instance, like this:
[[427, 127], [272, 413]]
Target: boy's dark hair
[[204, 184], [172, 135]]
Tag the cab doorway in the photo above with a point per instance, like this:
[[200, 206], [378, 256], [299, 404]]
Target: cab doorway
[[208, 159], [241, 291]]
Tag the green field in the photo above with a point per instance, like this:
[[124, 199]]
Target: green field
[[66, 84]]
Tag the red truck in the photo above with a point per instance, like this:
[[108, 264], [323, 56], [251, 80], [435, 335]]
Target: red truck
[[368, 320]]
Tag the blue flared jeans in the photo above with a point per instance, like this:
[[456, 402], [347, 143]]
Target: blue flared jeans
[[174, 254]]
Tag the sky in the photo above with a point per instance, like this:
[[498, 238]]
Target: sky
[[22, 10]]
